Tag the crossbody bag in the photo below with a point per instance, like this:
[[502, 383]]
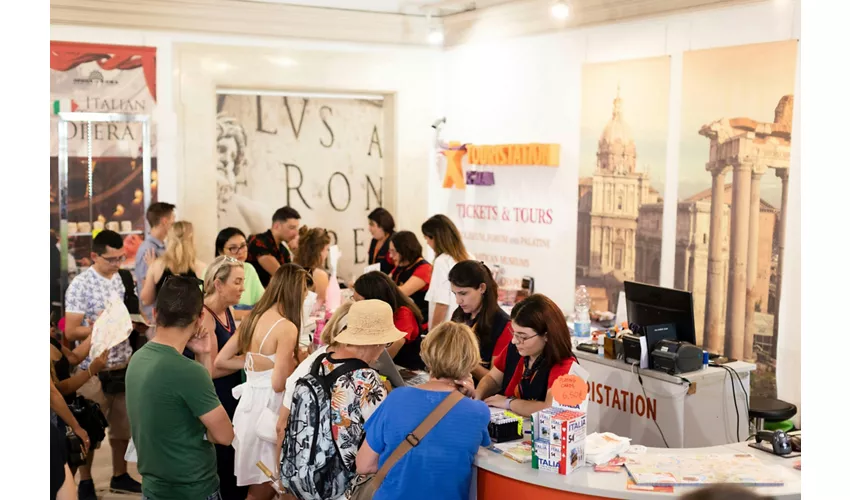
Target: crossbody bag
[[365, 487]]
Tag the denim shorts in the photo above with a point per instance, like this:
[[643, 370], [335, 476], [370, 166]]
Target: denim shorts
[[214, 496]]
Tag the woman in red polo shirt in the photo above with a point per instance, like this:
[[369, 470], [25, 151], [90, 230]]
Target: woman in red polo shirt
[[538, 354], [412, 273], [406, 316], [477, 298]]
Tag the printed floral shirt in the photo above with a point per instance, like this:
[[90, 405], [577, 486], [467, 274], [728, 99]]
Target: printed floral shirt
[[88, 295], [356, 395]]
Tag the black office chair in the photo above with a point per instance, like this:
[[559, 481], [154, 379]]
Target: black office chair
[[769, 410]]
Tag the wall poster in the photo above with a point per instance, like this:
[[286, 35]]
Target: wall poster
[[102, 79], [322, 156], [623, 152], [737, 107]]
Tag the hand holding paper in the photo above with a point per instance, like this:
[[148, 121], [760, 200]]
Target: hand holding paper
[[111, 328]]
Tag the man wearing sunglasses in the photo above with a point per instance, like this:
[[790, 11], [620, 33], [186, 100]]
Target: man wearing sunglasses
[[87, 297]]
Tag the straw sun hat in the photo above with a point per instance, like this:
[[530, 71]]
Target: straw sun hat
[[369, 322]]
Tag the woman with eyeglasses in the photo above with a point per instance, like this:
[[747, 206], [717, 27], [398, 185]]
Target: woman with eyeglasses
[[267, 347], [477, 297], [412, 273], [223, 287], [313, 249], [179, 259], [232, 242], [406, 316], [443, 237], [540, 352]]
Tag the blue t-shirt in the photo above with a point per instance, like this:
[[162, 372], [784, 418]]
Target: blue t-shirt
[[441, 466]]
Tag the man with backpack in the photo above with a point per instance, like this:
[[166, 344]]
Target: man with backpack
[[331, 404]]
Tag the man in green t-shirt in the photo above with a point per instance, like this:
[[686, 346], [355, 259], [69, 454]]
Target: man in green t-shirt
[[175, 415]]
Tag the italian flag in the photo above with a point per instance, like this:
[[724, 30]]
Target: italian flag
[[64, 105]]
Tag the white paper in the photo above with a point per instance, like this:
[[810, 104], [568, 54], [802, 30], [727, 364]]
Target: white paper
[[621, 309], [130, 455], [578, 370], [333, 260], [373, 267], [111, 328]]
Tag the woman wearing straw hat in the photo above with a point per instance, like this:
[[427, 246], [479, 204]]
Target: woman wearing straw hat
[[357, 394]]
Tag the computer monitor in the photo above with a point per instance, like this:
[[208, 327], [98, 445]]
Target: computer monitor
[[648, 305]]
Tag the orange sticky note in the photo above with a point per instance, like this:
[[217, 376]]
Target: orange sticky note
[[570, 390]]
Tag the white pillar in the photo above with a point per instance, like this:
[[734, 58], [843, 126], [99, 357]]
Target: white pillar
[[714, 281], [736, 301], [752, 265]]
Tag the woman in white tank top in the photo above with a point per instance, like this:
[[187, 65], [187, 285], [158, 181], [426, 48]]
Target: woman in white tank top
[[267, 348]]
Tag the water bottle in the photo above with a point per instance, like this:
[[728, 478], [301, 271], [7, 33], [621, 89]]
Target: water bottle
[[582, 313]]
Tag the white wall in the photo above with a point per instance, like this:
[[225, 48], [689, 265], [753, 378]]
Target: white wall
[[529, 90]]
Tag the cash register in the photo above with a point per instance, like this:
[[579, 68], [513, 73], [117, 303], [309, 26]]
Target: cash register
[[662, 322]]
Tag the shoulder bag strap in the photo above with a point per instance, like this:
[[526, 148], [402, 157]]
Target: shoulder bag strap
[[412, 440]]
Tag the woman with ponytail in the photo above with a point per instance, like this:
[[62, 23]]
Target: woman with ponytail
[[313, 248], [477, 297], [179, 259]]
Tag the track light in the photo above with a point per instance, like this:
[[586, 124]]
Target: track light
[[435, 31], [435, 36], [560, 10]]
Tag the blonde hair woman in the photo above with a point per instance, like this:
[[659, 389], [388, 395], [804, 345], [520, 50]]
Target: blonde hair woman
[[179, 259], [267, 347], [443, 237], [442, 463], [224, 282]]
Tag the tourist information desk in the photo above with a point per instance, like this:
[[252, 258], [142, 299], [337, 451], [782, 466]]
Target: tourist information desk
[[497, 478], [693, 409]]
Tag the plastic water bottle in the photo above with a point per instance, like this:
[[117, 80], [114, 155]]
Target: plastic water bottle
[[582, 312]]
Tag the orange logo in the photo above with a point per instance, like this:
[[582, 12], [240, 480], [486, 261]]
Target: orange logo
[[531, 155]]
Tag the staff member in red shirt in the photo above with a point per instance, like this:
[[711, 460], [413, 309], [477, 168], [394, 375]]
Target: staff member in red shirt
[[539, 353], [406, 316], [412, 273], [381, 227], [477, 298]]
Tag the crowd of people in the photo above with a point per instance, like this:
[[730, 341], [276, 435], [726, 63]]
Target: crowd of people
[[214, 379], [205, 400]]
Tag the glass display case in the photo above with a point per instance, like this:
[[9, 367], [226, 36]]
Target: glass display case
[[106, 187]]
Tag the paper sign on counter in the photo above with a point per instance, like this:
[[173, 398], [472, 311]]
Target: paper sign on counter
[[569, 390]]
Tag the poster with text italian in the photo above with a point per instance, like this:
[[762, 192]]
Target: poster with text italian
[[113, 79], [321, 156], [623, 153], [737, 107]]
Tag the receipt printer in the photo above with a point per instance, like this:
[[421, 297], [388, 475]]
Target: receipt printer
[[672, 356], [635, 350]]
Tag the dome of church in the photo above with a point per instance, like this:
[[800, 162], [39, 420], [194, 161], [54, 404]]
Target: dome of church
[[616, 131]]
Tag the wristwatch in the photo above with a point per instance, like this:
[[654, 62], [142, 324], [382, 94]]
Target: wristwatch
[[508, 403]]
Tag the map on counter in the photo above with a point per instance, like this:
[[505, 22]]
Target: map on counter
[[689, 470]]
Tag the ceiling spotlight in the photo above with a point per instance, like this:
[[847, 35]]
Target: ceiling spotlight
[[560, 10], [435, 36]]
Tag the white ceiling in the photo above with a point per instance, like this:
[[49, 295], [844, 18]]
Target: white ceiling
[[407, 7]]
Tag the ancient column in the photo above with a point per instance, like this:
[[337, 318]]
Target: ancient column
[[714, 282], [736, 300], [782, 173], [752, 264]]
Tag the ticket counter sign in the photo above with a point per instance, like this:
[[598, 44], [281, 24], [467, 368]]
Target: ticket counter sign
[[504, 155]]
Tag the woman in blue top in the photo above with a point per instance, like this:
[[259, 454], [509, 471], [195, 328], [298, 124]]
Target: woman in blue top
[[441, 465]]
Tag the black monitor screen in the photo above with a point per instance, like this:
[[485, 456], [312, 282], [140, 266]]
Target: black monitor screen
[[648, 305]]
